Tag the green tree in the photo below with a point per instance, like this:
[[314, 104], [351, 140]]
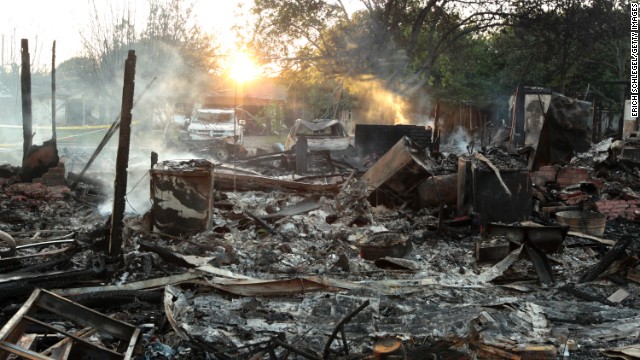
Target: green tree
[[566, 46], [395, 42]]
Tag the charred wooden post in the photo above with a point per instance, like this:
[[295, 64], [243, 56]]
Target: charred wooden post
[[436, 129], [154, 159], [53, 91], [25, 90], [122, 159], [301, 155]]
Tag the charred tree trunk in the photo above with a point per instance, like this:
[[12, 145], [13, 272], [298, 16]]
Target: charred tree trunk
[[25, 89], [122, 159]]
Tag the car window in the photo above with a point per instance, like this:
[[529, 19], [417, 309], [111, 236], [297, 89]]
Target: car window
[[303, 130], [215, 117]]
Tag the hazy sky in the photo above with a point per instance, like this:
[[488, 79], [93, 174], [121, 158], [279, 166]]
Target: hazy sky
[[43, 21]]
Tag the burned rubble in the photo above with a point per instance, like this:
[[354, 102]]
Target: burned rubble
[[233, 263], [415, 253]]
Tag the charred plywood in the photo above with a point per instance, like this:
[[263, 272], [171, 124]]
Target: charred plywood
[[401, 169], [181, 196], [231, 181], [490, 200], [547, 238]]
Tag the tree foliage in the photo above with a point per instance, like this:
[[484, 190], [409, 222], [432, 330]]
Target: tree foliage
[[460, 50], [566, 47], [395, 42]]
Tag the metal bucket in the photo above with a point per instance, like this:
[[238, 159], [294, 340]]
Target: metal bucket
[[587, 222]]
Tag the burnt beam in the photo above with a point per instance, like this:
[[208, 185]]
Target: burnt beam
[[122, 158], [616, 252], [25, 91], [53, 91]]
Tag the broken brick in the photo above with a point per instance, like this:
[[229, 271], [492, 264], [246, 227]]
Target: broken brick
[[571, 176]]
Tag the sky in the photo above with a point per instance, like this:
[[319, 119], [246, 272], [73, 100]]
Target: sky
[[43, 21]]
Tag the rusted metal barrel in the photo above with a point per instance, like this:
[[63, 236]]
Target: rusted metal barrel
[[181, 196], [588, 222]]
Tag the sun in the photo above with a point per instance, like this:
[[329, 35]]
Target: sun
[[242, 68]]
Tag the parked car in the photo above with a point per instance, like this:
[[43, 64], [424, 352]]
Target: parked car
[[214, 131], [321, 134], [213, 124]]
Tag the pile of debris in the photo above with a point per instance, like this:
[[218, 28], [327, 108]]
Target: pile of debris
[[421, 255]]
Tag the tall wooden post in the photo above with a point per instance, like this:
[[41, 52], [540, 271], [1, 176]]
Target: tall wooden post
[[122, 158], [53, 91], [25, 89]]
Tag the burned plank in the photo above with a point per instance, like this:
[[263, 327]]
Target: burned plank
[[44, 301], [281, 287], [612, 255], [540, 263], [166, 254], [229, 181], [25, 90], [134, 286], [401, 169]]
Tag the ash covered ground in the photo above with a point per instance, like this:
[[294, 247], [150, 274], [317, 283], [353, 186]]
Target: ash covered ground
[[260, 279]]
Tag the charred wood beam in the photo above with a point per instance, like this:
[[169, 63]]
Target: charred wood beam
[[16, 265], [23, 285], [243, 182], [154, 159], [339, 328], [612, 255], [585, 295], [47, 265], [165, 254], [301, 155], [11, 261], [540, 263], [264, 224], [295, 350], [25, 91], [122, 159], [45, 243], [53, 91]]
